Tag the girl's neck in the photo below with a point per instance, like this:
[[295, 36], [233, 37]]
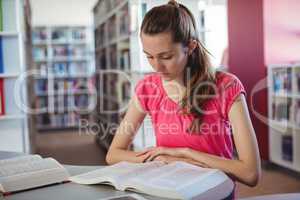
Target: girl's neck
[[179, 80]]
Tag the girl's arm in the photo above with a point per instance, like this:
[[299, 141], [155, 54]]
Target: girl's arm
[[118, 150], [246, 168]]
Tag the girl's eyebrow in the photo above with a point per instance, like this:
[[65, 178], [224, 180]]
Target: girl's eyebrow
[[161, 53]]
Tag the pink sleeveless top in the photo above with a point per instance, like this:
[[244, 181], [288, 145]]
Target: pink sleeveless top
[[170, 125]]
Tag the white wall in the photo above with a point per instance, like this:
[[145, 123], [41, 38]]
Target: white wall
[[62, 12]]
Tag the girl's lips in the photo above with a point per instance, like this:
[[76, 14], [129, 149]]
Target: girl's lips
[[164, 74]]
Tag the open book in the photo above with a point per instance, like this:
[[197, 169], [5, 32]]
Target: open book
[[177, 180], [29, 171]]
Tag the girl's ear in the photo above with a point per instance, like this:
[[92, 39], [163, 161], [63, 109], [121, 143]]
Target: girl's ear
[[192, 46]]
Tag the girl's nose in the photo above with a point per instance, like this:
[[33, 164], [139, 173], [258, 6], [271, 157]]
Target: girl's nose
[[158, 65]]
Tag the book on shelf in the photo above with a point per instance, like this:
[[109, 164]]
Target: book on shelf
[[125, 91], [282, 80], [41, 86], [59, 35], [1, 57], [30, 171], [60, 51], [39, 35], [40, 53], [101, 35], [124, 21], [297, 113], [287, 147], [2, 99], [282, 109], [298, 81], [43, 119], [78, 68], [111, 28], [113, 56], [78, 34], [60, 69], [125, 60], [156, 178], [77, 51], [1, 16]]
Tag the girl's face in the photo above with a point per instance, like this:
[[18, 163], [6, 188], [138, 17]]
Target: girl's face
[[166, 57]]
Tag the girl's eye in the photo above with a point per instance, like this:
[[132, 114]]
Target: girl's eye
[[149, 57], [167, 57]]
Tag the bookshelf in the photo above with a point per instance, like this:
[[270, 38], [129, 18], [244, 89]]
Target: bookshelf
[[120, 63], [13, 120], [63, 82], [284, 115]]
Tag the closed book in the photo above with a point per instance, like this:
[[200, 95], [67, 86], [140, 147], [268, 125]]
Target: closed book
[[2, 100], [1, 56], [1, 18]]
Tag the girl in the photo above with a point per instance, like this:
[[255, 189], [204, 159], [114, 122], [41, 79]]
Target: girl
[[194, 110]]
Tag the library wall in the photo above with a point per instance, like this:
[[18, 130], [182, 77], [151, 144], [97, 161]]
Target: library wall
[[282, 31], [79, 12], [246, 59]]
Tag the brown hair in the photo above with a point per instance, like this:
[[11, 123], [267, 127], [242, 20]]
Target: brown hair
[[179, 21]]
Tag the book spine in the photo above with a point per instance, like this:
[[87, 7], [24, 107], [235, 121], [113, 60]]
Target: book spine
[[1, 57], [2, 107], [1, 18]]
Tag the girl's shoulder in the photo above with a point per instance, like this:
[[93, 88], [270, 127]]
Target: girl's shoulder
[[150, 84], [226, 79], [151, 77], [230, 87]]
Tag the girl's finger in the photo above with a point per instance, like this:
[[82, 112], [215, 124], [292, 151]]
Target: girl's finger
[[153, 156], [146, 156], [144, 151], [141, 153]]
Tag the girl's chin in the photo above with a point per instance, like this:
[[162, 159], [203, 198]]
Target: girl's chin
[[166, 76]]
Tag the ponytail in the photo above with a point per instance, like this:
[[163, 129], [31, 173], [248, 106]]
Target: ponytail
[[179, 21]]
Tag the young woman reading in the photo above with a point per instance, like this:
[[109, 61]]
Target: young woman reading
[[198, 114]]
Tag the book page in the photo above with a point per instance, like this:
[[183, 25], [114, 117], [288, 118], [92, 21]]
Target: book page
[[31, 174], [19, 160], [170, 175], [125, 197], [14, 168], [118, 172]]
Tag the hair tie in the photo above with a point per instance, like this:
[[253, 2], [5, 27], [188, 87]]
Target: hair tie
[[174, 3]]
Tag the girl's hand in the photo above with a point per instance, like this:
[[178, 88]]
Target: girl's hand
[[169, 159], [162, 158], [142, 157], [140, 153], [156, 151]]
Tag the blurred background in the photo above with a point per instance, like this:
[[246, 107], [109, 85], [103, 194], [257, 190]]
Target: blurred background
[[68, 69]]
